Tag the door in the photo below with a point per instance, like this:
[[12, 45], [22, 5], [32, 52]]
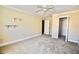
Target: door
[[46, 27]]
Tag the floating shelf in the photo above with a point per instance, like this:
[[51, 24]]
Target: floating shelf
[[10, 26]]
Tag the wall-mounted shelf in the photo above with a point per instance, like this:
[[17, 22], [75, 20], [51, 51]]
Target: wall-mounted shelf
[[11, 26], [15, 19]]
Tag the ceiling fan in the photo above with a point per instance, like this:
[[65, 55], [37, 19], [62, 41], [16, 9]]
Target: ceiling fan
[[45, 8]]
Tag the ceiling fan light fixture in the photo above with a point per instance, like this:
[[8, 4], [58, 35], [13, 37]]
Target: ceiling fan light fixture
[[44, 9]]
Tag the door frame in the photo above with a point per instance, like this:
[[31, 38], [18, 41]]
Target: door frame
[[67, 30]]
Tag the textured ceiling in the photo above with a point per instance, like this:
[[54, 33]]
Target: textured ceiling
[[33, 8]]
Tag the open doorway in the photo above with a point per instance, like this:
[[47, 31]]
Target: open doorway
[[42, 26], [63, 28], [45, 27]]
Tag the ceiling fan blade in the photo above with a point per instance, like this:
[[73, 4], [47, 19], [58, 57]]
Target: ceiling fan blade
[[39, 6], [39, 10], [51, 8], [43, 6]]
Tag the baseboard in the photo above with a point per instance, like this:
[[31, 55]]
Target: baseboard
[[73, 41], [12, 42]]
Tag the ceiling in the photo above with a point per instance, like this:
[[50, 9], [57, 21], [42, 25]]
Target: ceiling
[[57, 8]]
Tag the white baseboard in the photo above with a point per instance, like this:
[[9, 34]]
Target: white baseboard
[[73, 41], [15, 41]]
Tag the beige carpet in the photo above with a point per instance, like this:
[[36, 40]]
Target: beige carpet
[[41, 45]]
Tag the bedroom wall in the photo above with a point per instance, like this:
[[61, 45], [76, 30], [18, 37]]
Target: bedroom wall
[[28, 26], [0, 26], [73, 34]]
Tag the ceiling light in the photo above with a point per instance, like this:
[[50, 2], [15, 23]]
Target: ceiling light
[[44, 9]]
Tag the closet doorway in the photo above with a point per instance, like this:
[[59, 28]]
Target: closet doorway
[[63, 28]]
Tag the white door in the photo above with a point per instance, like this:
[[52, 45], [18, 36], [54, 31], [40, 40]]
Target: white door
[[46, 27]]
